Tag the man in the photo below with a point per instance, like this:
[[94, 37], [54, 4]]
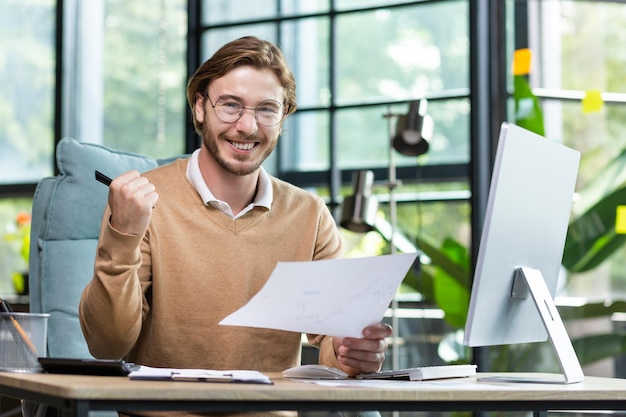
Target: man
[[183, 246]]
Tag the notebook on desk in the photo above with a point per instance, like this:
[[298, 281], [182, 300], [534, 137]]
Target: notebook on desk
[[424, 373]]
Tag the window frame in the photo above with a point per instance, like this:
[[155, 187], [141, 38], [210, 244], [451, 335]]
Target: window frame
[[335, 178]]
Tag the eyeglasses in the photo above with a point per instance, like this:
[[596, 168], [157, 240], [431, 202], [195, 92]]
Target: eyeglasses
[[267, 113]]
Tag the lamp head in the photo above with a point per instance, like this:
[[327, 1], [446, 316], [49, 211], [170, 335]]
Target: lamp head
[[359, 209], [414, 130]]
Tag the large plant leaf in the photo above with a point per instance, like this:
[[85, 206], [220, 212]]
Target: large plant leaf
[[452, 298], [440, 258], [528, 113], [605, 182], [448, 277], [591, 238]]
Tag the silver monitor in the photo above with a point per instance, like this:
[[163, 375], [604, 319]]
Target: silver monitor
[[521, 248]]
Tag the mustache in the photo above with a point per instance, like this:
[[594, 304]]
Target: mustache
[[241, 138]]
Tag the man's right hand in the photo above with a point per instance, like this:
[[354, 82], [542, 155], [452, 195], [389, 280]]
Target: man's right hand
[[131, 199]]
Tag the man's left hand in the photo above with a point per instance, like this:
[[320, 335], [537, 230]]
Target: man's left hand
[[364, 355]]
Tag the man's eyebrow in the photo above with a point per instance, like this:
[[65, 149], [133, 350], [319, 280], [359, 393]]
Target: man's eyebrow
[[229, 97], [241, 101]]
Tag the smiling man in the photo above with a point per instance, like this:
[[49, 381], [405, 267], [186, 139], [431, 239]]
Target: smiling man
[[185, 245]]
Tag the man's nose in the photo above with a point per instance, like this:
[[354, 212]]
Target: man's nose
[[247, 123]]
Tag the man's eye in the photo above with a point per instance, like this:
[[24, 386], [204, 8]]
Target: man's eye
[[268, 109], [231, 105]]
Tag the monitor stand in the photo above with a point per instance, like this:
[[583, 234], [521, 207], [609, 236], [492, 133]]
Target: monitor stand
[[526, 279]]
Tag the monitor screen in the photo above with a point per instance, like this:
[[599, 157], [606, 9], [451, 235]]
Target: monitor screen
[[528, 212]]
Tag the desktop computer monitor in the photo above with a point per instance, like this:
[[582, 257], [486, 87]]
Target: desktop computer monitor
[[521, 248]]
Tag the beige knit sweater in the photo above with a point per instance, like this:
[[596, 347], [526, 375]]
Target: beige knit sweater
[[157, 300]]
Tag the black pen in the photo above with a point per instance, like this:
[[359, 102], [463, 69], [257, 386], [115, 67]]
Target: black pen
[[103, 178]]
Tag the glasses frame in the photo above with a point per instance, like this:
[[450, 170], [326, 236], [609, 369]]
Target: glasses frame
[[253, 109]]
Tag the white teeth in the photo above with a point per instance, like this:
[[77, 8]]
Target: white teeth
[[243, 146]]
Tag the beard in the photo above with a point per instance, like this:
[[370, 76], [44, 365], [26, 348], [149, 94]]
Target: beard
[[245, 164]]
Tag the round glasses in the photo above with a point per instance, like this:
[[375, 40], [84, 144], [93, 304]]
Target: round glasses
[[229, 110]]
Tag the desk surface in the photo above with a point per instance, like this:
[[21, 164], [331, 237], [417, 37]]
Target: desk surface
[[81, 393]]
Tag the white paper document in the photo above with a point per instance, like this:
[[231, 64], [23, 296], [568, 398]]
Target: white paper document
[[202, 375], [336, 297]]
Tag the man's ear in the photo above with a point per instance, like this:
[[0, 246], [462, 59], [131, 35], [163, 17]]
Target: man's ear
[[198, 108]]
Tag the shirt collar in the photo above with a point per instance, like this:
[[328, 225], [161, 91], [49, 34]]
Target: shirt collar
[[264, 192]]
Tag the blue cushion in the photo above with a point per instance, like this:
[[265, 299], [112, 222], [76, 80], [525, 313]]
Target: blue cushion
[[67, 267], [67, 212], [79, 199]]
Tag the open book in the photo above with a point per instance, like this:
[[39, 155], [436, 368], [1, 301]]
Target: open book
[[201, 375]]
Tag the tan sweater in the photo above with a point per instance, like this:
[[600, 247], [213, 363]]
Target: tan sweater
[[157, 300]]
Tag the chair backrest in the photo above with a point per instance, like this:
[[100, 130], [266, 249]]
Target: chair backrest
[[66, 215]]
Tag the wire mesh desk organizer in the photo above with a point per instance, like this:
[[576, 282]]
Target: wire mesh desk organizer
[[22, 339]]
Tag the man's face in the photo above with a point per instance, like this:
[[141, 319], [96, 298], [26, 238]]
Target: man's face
[[241, 146]]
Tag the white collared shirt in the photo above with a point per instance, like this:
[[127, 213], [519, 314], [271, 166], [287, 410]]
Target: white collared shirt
[[262, 198]]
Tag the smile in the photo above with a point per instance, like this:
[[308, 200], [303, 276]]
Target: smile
[[243, 146]]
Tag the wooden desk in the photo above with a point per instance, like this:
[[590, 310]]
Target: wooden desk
[[76, 395]]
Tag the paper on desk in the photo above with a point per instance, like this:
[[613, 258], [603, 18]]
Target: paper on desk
[[204, 375], [336, 297]]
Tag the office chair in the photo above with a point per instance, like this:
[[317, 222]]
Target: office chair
[[66, 215]]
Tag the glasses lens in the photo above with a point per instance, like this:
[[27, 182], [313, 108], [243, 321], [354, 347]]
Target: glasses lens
[[267, 113], [227, 110]]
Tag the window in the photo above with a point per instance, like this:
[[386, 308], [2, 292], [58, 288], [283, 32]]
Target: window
[[126, 89], [576, 56], [358, 64], [123, 83], [347, 105], [27, 67]]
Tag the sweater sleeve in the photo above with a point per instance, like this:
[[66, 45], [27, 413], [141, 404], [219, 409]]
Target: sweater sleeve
[[113, 303], [327, 355], [328, 244]]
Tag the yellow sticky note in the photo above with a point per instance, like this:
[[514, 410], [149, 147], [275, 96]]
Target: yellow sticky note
[[620, 220], [521, 61], [592, 101]]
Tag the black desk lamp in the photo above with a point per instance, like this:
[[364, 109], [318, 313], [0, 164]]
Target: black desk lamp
[[414, 130], [359, 209]]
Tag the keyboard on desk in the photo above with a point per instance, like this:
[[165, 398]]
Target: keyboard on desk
[[423, 373]]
